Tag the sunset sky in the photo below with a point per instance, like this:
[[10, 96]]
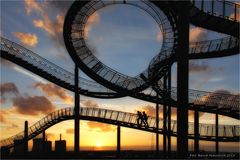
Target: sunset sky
[[124, 38]]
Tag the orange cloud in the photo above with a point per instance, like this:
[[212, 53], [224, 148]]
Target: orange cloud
[[92, 20], [70, 131], [197, 34], [96, 126], [33, 105], [3, 115], [26, 38], [101, 127], [51, 27], [32, 5], [54, 91], [54, 28]]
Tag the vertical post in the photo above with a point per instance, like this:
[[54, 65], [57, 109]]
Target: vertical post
[[43, 140], [235, 12], [164, 116], [76, 112], [118, 140], [216, 125], [212, 7], [202, 5], [224, 6], [196, 131], [43, 136], [157, 127], [26, 137], [169, 113], [182, 79]]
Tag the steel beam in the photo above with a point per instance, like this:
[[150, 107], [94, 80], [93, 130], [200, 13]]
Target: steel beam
[[26, 137], [169, 112], [118, 140], [196, 131], [217, 139], [182, 79], [43, 140], [164, 118], [157, 127], [76, 112]]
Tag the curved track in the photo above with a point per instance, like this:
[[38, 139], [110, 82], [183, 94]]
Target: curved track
[[227, 133], [53, 73], [74, 37], [219, 15], [223, 104]]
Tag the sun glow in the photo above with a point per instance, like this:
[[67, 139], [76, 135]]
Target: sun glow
[[98, 144]]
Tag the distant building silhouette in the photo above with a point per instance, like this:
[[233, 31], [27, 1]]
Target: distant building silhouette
[[5, 151], [47, 147], [60, 146], [40, 146], [19, 147]]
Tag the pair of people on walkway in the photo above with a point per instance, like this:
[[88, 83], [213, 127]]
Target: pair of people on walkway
[[142, 119]]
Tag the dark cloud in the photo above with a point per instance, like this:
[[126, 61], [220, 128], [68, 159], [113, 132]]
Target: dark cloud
[[90, 104], [8, 90], [201, 66], [222, 92], [53, 90], [33, 105]]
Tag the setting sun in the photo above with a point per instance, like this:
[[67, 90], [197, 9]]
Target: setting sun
[[98, 144]]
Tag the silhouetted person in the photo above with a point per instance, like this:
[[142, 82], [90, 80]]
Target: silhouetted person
[[140, 118], [145, 119]]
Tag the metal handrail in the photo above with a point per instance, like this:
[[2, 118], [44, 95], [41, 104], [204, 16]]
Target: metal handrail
[[49, 67], [219, 8], [226, 131]]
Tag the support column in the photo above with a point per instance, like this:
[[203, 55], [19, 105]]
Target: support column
[[169, 113], [43, 140], [182, 79], [165, 117], [216, 125], [118, 140], [157, 128], [43, 136], [196, 132], [76, 112], [26, 137]]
